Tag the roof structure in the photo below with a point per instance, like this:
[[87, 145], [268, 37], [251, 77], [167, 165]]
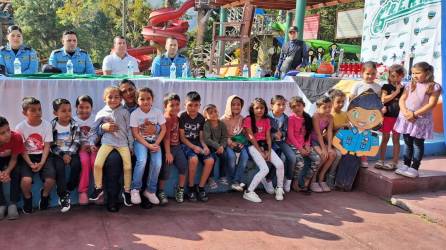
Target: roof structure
[[277, 4]]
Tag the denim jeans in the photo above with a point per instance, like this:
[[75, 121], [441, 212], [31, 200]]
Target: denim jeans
[[237, 169], [414, 151], [282, 147], [155, 165]]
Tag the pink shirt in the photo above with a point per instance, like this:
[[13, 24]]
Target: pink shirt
[[262, 125], [296, 132]]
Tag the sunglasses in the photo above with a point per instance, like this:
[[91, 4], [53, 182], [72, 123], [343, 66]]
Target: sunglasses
[[292, 32]]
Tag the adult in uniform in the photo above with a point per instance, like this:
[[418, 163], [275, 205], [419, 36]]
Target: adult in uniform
[[161, 64], [81, 60], [16, 49], [294, 53]]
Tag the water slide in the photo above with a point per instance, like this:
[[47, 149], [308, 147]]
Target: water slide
[[163, 23]]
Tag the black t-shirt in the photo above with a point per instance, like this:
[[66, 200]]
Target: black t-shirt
[[15, 51], [192, 127], [71, 53], [393, 107]]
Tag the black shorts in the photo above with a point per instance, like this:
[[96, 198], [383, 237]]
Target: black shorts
[[48, 170]]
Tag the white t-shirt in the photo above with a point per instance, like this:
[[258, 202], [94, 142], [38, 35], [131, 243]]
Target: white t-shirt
[[154, 116], [117, 65], [63, 137], [360, 87], [85, 127], [35, 137]]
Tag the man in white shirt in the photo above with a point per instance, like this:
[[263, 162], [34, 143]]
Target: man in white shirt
[[118, 60]]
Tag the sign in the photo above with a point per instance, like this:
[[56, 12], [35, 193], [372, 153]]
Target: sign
[[395, 30], [311, 27], [349, 23]]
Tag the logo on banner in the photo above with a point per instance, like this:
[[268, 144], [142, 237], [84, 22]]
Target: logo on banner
[[392, 10]]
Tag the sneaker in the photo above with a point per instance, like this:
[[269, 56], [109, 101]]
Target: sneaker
[[411, 173], [202, 195], [162, 198], [152, 197], [389, 166], [237, 187], [279, 194], [315, 187], [401, 169], [364, 162], [192, 195], [379, 164], [135, 197], [251, 196], [98, 193], [83, 199], [127, 198], [2, 211], [212, 184], [27, 207], [179, 195], [287, 185], [13, 214], [268, 185], [44, 201], [324, 186], [224, 181], [65, 202]]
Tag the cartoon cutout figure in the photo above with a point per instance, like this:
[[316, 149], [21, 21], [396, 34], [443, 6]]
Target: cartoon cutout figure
[[364, 114]]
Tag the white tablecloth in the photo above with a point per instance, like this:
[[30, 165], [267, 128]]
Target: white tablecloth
[[13, 90]]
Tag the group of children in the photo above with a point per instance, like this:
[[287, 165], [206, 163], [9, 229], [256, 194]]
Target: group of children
[[295, 151]]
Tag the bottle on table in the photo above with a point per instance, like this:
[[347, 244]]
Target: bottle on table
[[17, 67], [130, 69], [245, 72], [184, 70], [258, 71], [173, 71], [70, 68]]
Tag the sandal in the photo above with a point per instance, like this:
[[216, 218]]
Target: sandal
[[389, 166], [379, 164]]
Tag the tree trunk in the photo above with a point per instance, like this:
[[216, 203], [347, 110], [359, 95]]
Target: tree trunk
[[202, 18], [169, 3]]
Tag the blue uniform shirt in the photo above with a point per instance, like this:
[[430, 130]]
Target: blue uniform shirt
[[354, 141], [27, 56], [161, 65], [81, 61]]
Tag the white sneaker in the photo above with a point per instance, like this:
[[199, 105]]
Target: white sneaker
[[324, 186], [287, 185], [315, 187], [268, 186], [251, 196], [411, 173], [237, 187], [152, 197], [135, 197], [279, 194], [401, 169]]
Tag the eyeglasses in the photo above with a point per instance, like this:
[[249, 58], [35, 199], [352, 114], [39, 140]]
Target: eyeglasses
[[292, 32]]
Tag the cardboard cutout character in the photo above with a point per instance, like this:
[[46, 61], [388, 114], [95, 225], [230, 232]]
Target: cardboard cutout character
[[364, 114]]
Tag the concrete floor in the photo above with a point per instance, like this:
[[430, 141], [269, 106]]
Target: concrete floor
[[321, 221]]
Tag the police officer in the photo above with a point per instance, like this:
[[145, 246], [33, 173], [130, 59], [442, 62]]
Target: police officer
[[15, 49], [81, 60], [161, 64]]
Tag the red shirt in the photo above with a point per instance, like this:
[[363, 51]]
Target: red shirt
[[15, 144], [262, 125], [172, 133]]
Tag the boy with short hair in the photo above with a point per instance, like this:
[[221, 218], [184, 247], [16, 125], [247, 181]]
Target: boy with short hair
[[37, 135], [194, 147], [11, 146], [64, 151]]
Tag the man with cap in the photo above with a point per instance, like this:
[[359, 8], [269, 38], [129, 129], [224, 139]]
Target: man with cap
[[161, 64], [81, 60], [294, 53]]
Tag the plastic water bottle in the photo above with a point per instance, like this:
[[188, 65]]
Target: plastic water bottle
[[245, 72], [130, 69], [17, 67], [258, 71], [173, 71], [184, 70], [70, 70]]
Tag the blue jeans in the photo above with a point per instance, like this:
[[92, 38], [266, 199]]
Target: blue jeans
[[237, 173], [414, 151], [290, 157], [155, 165]]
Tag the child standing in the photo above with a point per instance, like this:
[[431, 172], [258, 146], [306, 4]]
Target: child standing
[[300, 127], [11, 146], [173, 154], [234, 124], [415, 118], [391, 94], [146, 115], [258, 130], [37, 136], [194, 147], [215, 136], [87, 152], [66, 134], [121, 140], [279, 128], [321, 139]]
